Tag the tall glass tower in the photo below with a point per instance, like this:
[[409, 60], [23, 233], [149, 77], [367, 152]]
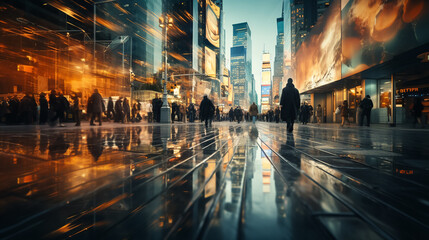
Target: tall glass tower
[[241, 66]]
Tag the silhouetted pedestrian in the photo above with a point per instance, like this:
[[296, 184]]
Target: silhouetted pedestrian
[[253, 111], [238, 114], [44, 109], [365, 106], [110, 110], [119, 112], [126, 109], [289, 104], [76, 109], [96, 106], [207, 110], [345, 113]]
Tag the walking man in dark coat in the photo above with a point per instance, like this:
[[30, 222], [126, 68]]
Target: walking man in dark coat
[[289, 103], [366, 105], [44, 109], [96, 104], [76, 109], [207, 111], [119, 111], [110, 110]]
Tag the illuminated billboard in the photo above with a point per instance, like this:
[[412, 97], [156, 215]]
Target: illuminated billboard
[[265, 101], [265, 91], [266, 77], [212, 23], [210, 63], [375, 31], [318, 60]]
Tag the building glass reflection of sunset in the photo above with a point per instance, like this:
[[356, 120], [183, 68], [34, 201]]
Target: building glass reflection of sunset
[[52, 47]]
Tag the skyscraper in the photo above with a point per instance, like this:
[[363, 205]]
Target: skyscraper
[[266, 90], [241, 65], [278, 60]]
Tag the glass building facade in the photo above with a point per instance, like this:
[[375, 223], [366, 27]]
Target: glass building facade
[[241, 66], [48, 45]]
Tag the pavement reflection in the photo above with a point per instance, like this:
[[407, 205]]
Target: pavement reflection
[[229, 181]]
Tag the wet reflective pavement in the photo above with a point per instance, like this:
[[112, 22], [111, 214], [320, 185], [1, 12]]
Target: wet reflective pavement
[[232, 181]]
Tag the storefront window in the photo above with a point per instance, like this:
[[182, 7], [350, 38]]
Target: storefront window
[[384, 91]]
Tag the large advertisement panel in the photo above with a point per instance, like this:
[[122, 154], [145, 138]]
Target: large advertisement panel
[[375, 31], [266, 77], [318, 60], [212, 23], [210, 63], [265, 91]]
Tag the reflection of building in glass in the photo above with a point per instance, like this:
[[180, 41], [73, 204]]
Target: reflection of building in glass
[[194, 44], [241, 65], [52, 46], [360, 48], [266, 91], [278, 61]]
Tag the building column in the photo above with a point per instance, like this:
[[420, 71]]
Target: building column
[[393, 99]]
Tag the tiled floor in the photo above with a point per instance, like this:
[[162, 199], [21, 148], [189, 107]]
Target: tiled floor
[[227, 182]]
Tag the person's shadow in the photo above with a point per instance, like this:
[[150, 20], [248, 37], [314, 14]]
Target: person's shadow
[[95, 143], [58, 146]]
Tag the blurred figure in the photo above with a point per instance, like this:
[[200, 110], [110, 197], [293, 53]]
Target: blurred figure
[[149, 112], [156, 104], [231, 115], [119, 111], [417, 110], [253, 111], [44, 109], [217, 114], [207, 111], [26, 109], [76, 109], [365, 106], [191, 112], [345, 113], [96, 107], [277, 114], [126, 109], [183, 112], [110, 110], [59, 105], [3, 110], [289, 104], [34, 109], [319, 113], [305, 113], [238, 114]]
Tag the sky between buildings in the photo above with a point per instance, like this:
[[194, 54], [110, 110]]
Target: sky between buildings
[[261, 16]]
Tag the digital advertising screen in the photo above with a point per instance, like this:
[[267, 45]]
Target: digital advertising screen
[[318, 60], [265, 91], [212, 23], [210, 63], [266, 77], [375, 31]]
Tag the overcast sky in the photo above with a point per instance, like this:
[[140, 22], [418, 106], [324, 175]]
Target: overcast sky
[[261, 16]]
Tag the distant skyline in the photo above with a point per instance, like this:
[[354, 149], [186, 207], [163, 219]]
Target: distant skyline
[[261, 17]]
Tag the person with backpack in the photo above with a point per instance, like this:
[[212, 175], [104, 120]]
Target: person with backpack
[[365, 106]]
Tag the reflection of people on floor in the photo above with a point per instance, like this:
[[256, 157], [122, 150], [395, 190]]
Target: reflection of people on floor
[[58, 146], [95, 142], [43, 143], [253, 134]]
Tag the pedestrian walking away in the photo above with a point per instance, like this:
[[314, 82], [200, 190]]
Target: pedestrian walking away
[[207, 110], [96, 107], [289, 103], [365, 107], [253, 111]]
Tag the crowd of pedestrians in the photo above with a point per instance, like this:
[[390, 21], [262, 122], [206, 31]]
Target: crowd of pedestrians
[[55, 109]]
